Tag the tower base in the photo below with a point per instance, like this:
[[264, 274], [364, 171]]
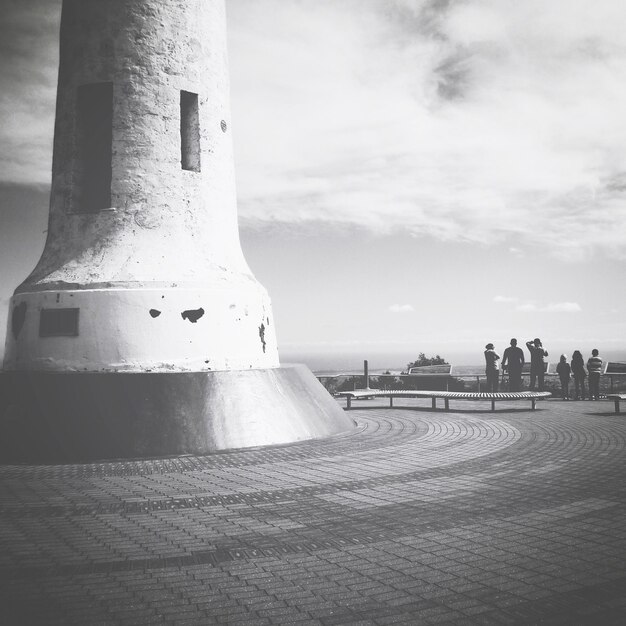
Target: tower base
[[53, 417]]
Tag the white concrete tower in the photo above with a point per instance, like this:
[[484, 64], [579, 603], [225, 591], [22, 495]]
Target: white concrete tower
[[142, 330], [142, 268]]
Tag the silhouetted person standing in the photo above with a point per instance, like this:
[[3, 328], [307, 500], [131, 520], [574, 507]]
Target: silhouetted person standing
[[579, 374], [564, 370], [513, 362], [594, 367], [537, 364], [491, 368]]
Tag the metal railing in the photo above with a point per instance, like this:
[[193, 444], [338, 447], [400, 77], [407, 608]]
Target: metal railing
[[610, 382]]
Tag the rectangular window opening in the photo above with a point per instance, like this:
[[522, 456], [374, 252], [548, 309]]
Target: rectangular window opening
[[58, 323], [94, 137], [189, 131]]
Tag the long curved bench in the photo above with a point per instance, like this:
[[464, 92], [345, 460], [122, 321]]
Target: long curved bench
[[533, 396]]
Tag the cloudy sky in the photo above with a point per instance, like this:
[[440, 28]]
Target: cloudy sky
[[412, 175]]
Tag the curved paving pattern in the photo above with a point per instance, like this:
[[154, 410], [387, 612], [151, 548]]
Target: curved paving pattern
[[415, 517]]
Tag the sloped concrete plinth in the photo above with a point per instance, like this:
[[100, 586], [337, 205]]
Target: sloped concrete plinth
[[51, 417]]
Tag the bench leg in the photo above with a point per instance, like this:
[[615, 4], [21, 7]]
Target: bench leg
[[434, 403], [534, 403], [493, 405], [617, 406], [390, 401], [447, 403], [348, 402]]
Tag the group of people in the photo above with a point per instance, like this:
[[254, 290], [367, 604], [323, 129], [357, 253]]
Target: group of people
[[576, 369], [513, 361]]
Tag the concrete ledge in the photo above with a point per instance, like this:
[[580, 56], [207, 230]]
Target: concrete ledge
[[52, 417]]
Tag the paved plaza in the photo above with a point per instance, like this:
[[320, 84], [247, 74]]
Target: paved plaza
[[416, 517]]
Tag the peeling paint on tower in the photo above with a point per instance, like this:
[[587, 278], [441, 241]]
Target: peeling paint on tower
[[143, 202], [262, 335]]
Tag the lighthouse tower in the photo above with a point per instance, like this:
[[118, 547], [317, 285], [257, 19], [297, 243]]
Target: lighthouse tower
[[142, 289]]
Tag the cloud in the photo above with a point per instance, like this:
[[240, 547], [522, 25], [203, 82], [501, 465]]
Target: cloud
[[487, 121], [564, 307], [28, 76], [491, 121], [534, 307], [401, 308], [558, 307]]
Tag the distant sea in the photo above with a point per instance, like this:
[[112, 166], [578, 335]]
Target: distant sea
[[334, 362]]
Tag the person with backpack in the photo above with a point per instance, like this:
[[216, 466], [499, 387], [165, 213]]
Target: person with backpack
[[594, 367]]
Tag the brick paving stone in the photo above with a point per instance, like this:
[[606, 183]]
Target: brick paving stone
[[419, 516]]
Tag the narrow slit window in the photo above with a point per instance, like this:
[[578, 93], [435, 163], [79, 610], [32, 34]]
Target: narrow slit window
[[58, 323], [94, 126], [189, 131]]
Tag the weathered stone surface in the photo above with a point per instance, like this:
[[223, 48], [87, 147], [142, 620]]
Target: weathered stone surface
[[156, 337], [168, 228]]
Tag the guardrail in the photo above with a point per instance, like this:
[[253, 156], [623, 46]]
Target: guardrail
[[450, 378]]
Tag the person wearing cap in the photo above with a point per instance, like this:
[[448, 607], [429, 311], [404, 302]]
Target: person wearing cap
[[537, 364], [491, 368], [513, 362]]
